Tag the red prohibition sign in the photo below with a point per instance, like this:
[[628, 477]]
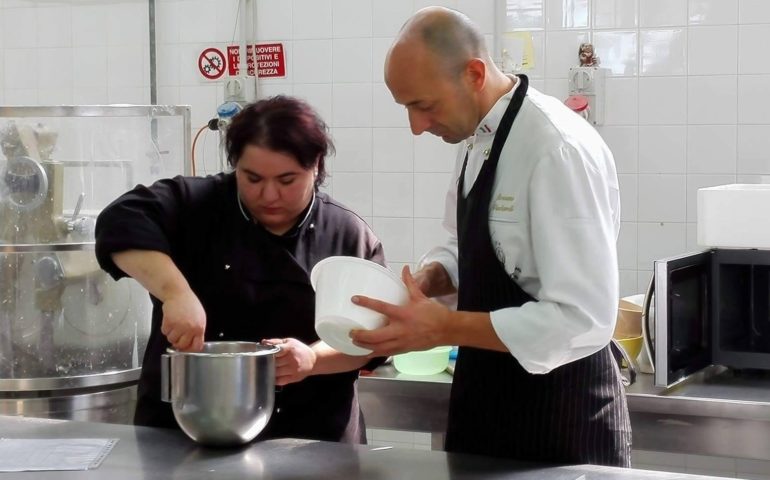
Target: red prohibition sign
[[211, 63]]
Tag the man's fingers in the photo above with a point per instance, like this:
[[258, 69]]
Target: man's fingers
[[368, 337], [385, 308], [384, 349], [415, 292]]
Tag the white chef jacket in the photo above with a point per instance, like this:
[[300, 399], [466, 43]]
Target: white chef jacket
[[554, 219]]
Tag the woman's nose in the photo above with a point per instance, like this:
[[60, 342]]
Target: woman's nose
[[270, 192]]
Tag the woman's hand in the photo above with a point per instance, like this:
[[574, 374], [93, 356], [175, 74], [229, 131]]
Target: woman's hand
[[184, 321], [294, 362]]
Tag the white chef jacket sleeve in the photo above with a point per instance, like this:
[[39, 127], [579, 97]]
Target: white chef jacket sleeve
[[573, 238]]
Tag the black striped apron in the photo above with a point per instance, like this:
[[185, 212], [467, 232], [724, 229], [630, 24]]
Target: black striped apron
[[575, 414]]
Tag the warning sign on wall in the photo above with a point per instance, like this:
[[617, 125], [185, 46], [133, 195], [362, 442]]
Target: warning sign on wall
[[211, 63], [270, 60]]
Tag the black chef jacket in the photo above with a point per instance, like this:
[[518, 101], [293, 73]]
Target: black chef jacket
[[252, 284]]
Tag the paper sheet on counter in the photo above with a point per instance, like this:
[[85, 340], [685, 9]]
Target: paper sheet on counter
[[33, 454]]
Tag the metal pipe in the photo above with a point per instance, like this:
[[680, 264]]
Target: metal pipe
[[243, 60], [153, 61]]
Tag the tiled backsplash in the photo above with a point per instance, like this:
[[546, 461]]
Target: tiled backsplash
[[687, 102]]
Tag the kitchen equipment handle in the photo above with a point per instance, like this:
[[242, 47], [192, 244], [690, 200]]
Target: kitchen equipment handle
[[165, 380], [646, 331]]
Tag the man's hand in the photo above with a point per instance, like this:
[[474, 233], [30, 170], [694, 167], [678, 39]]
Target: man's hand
[[419, 325], [184, 321], [433, 280], [294, 362]]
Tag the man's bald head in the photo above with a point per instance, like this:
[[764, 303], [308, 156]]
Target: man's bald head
[[447, 34]]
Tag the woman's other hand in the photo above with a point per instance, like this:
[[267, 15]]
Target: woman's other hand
[[184, 321], [294, 362]]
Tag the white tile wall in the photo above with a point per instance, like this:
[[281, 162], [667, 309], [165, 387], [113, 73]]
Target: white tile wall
[[753, 103], [393, 150], [319, 95], [352, 60], [662, 101], [661, 13], [752, 58], [397, 235], [753, 11], [713, 50], [354, 149], [663, 149], [393, 195], [711, 148], [312, 19], [753, 148], [625, 144], [615, 13], [352, 18], [429, 194], [564, 15], [713, 12], [712, 100], [663, 52], [617, 50], [662, 198]]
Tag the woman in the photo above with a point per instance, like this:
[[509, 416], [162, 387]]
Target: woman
[[227, 257]]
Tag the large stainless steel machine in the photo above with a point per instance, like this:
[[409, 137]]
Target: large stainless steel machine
[[71, 338]]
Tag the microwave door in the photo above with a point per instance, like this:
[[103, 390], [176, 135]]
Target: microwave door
[[682, 317]]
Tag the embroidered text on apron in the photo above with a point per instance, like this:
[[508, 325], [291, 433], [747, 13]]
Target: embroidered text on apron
[[577, 413]]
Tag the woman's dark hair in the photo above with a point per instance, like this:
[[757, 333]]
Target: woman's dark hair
[[282, 124]]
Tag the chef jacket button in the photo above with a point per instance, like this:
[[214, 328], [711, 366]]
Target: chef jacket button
[[486, 152], [312, 226], [470, 146]]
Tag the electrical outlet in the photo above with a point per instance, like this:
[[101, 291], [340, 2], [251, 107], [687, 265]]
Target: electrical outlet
[[241, 90], [589, 82]]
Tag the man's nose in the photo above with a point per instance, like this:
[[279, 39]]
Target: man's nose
[[418, 122]]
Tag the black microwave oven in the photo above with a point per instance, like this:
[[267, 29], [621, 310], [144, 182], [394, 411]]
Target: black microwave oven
[[710, 308]]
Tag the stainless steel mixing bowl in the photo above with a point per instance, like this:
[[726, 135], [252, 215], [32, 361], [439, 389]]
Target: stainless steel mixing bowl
[[222, 395]]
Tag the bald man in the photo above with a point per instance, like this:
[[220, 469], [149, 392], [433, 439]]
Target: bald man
[[533, 217]]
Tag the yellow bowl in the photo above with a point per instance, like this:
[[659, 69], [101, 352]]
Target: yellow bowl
[[632, 346]]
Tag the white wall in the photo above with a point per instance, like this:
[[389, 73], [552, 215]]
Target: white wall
[[687, 102], [74, 52]]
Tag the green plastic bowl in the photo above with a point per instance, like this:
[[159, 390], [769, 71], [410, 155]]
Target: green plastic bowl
[[427, 362]]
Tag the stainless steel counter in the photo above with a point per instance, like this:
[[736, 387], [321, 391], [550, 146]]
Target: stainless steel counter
[[147, 454], [719, 413]]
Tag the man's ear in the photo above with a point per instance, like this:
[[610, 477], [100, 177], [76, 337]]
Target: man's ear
[[476, 73]]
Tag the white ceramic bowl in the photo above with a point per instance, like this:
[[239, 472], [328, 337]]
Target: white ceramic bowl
[[336, 280]]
